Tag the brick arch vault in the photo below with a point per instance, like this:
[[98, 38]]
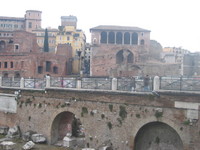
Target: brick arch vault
[[60, 124], [158, 134]]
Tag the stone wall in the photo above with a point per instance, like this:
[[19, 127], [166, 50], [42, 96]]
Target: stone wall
[[114, 117]]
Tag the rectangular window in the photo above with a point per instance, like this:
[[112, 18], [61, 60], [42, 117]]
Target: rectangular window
[[5, 65], [0, 64], [11, 64], [68, 38], [30, 25], [16, 47], [48, 66], [40, 69]]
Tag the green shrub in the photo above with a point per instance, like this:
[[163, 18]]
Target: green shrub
[[122, 112]]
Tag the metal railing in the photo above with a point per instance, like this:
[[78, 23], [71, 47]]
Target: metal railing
[[11, 82], [134, 84], [121, 84], [96, 83], [35, 83], [180, 83], [63, 82]]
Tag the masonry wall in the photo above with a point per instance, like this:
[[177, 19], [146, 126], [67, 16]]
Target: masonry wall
[[105, 120]]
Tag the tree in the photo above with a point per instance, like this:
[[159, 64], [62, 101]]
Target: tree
[[46, 41]]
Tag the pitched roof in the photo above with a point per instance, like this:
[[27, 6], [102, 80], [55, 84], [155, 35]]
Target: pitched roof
[[118, 28]]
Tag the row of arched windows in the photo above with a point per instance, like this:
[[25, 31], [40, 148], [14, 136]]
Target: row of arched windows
[[120, 38]]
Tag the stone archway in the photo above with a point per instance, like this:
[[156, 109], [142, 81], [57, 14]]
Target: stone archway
[[157, 136], [64, 123]]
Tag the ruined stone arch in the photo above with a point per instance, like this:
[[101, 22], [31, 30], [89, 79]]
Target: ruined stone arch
[[119, 38], [103, 37], [157, 135], [127, 38], [62, 124], [124, 56], [135, 38], [111, 37]]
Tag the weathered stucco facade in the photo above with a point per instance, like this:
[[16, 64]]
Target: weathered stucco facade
[[112, 117]]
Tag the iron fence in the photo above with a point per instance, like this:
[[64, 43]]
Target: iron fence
[[134, 84], [96, 83], [11, 82], [35, 83], [63, 82], [180, 83]]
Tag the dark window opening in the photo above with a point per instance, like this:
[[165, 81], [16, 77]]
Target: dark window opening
[[135, 38], [142, 42], [40, 69], [16, 47], [124, 56], [119, 38], [11, 64], [127, 38], [48, 66], [5, 75], [55, 70], [17, 75], [30, 25], [119, 57], [2, 45], [0, 64], [5, 65], [111, 37], [103, 37]]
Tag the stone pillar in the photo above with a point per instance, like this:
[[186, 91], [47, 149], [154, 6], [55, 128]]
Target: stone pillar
[[123, 38], [78, 84], [22, 83], [48, 82], [156, 83], [114, 84]]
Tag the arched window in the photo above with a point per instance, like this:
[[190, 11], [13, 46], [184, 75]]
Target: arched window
[[103, 37], [127, 38], [135, 38], [124, 56], [111, 37], [119, 38], [142, 42]]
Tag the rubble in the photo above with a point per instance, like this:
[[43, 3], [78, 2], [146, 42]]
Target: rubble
[[13, 132], [38, 138], [4, 130], [27, 135], [28, 145], [7, 145]]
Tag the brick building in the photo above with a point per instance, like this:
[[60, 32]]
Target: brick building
[[21, 57], [120, 51], [117, 50]]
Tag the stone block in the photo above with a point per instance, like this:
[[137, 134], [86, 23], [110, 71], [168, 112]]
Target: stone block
[[28, 145], [38, 138]]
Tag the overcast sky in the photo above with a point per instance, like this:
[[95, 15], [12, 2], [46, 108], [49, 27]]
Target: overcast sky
[[171, 22]]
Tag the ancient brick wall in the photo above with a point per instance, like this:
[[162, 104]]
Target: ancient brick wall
[[111, 116]]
